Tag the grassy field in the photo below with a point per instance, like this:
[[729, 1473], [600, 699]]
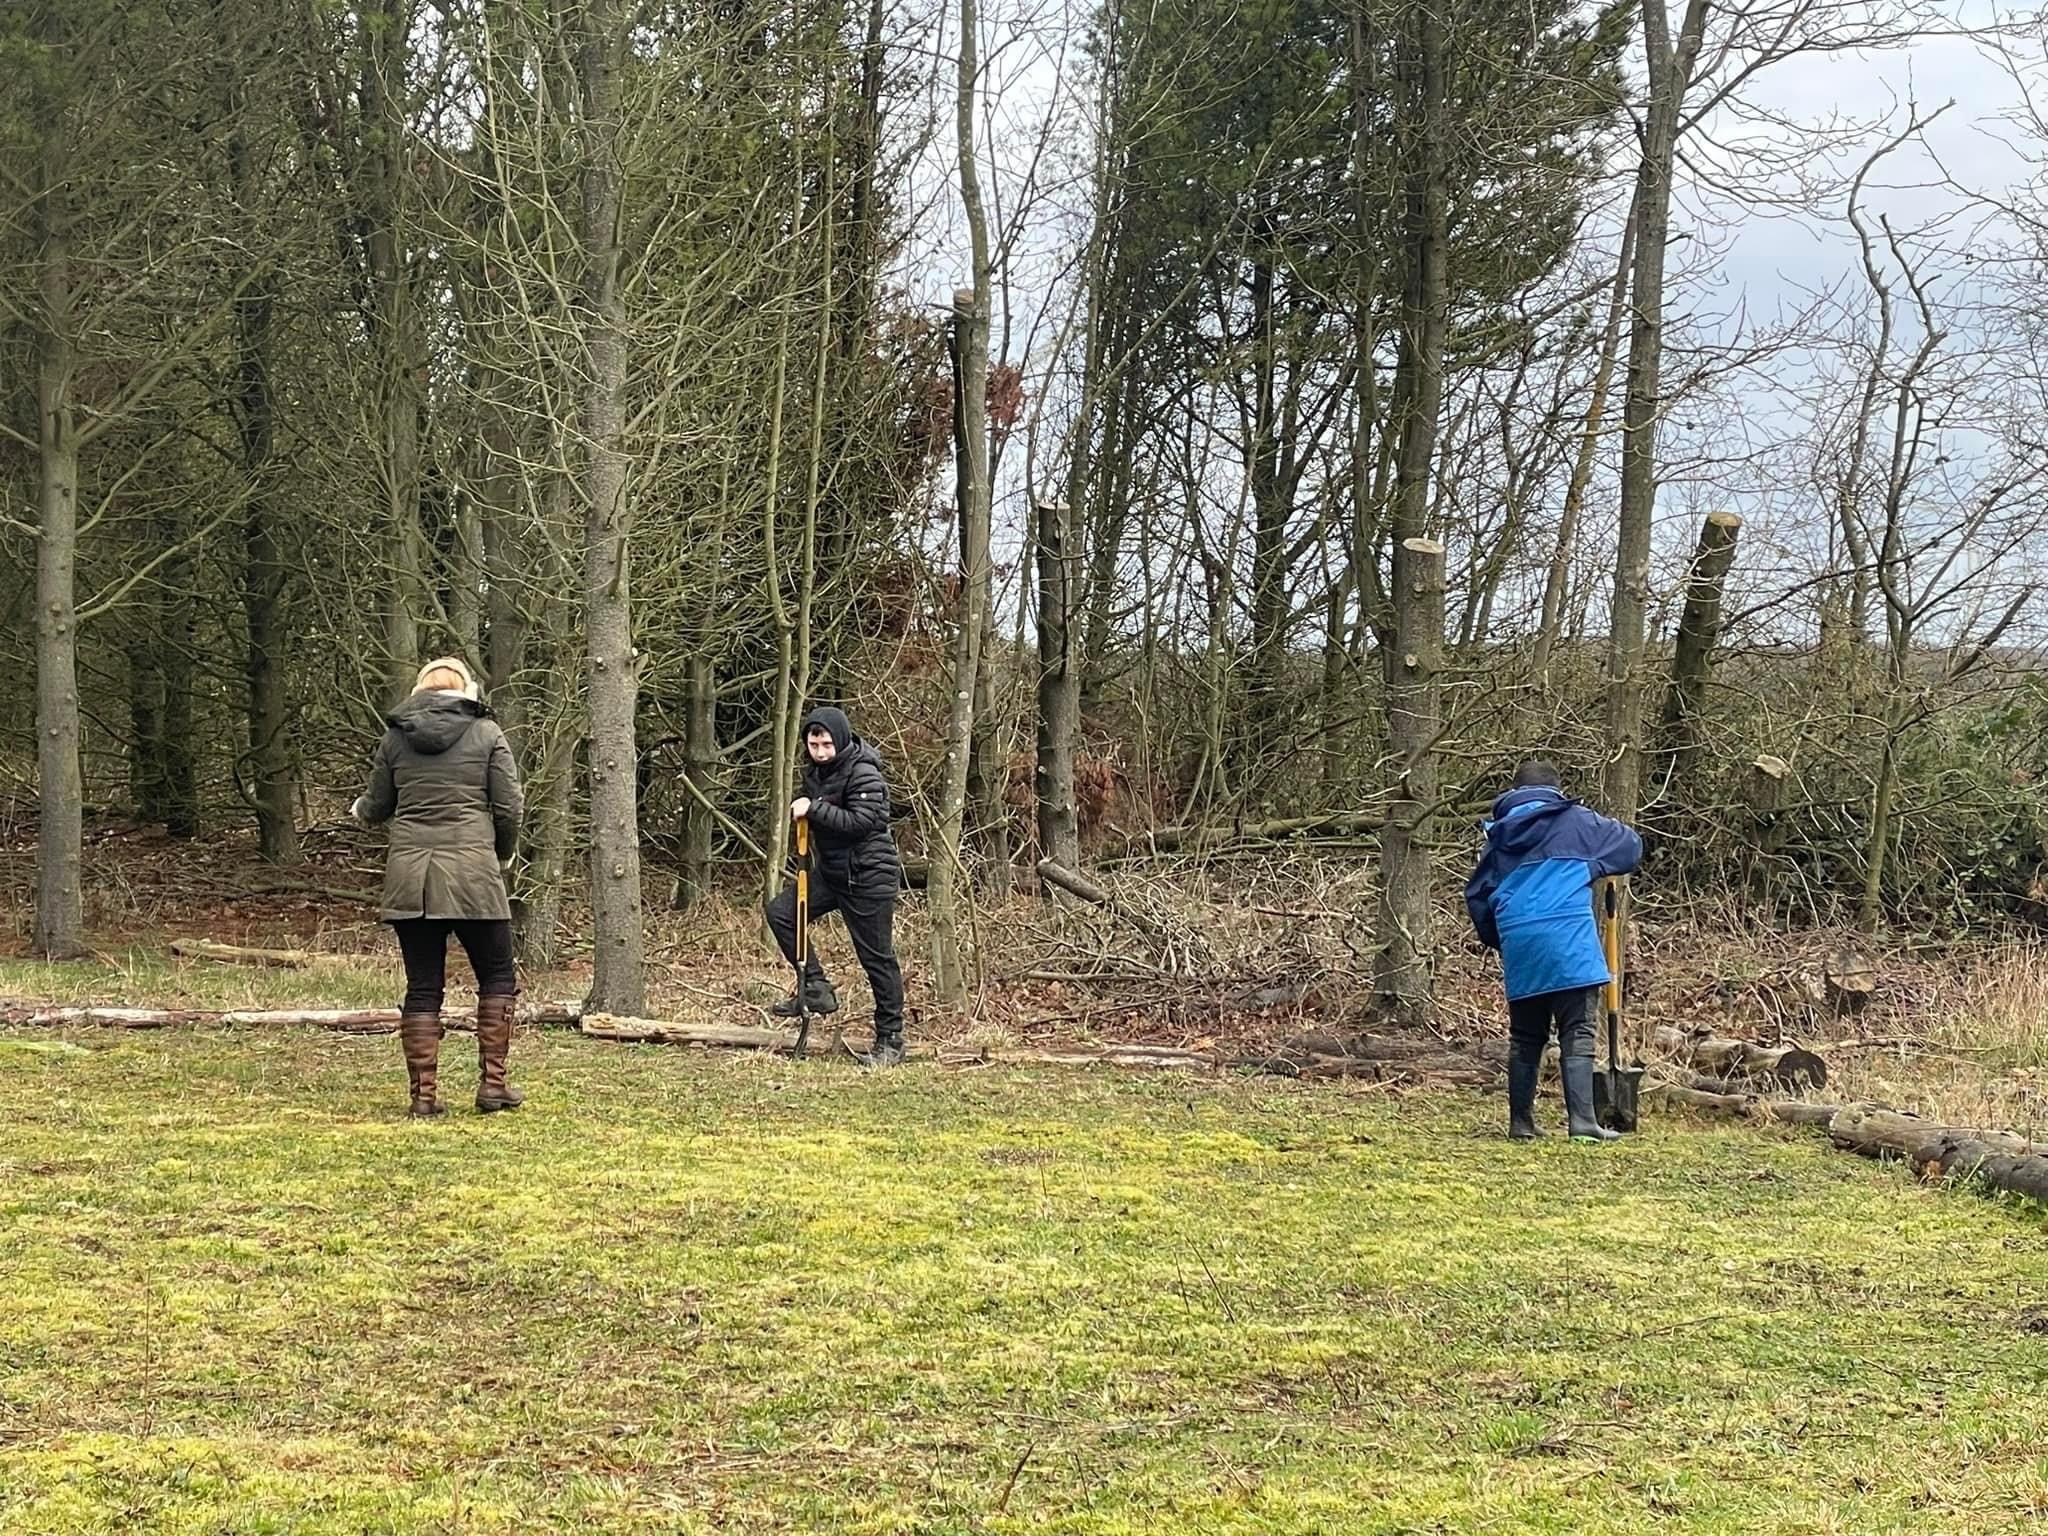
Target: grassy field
[[685, 1292]]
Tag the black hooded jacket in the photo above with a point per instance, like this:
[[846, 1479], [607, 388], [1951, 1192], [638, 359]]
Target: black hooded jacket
[[854, 851]]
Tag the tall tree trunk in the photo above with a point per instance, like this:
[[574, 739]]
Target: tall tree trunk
[[60, 836], [618, 982], [782, 744], [145, 717], [1108, 516], [1877, 841], [700, 764], [984, 766], [971, 315], [1264, 683], [265, 575], [1558, 577], [1670, 72], [1404, 984], [386, 47], [1059, 682], [465, 575], [550, 767], [176, 646], [1699, 630], [988, 769]]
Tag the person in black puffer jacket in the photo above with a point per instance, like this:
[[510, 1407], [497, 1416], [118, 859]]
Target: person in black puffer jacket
[[856, 873]]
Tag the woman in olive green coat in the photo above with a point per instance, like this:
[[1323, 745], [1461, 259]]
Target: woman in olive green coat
[[443, 777]]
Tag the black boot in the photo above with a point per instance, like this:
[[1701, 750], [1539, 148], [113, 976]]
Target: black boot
[[887, 1050], [1525, 1066], [818, 995], [1577, 1072]]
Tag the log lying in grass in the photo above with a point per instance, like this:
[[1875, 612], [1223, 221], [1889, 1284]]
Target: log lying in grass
[[745, 1037], [1881, 1132], [633, 1031], [236, 954], [355, 1021], [1718, 1056], [1378, 1058], [1752, 1105], [1999, 1159]]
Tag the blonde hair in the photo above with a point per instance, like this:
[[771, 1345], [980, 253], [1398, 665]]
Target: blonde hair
[[447, 674]]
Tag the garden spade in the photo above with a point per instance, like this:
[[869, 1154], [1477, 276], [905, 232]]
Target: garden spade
[[1617, 1090]]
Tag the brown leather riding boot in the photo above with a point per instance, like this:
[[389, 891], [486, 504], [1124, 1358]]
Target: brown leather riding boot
[[419, 1034], [493, 1044]]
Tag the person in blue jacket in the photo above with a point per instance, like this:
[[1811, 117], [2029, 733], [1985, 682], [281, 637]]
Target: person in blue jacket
[[1531, 898]]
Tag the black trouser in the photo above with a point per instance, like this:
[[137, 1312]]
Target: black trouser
[[1572, 1011], [870, 923], [424, 943]]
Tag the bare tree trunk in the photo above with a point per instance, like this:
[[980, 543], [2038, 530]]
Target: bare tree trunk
[[550, 769], [984, 768], [971, 315], [1877, 842], [60, 837], [1059, 684], [145, 715], [386, 45], [1699, 630], [1404, 983], [700, 763], [1558, 578], [175, 646], [265, 576], [1670, 71], [782, 744], [618, 982], [465, 576], [988, 770]]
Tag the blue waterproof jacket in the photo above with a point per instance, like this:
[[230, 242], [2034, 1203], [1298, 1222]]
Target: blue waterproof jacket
[[1531, 897]]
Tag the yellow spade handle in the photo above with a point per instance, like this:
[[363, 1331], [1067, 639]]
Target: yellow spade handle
[[1613, 915], [803, 891]]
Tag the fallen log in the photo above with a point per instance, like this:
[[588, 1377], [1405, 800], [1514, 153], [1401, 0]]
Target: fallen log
[[359, 1021], [1748, 1105], [631, 1031], [1718, 1056], [1999, 1159], [236, 954]]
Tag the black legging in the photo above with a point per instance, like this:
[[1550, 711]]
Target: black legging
[[424, 943]]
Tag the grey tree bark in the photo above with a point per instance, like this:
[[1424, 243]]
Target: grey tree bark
[[1670, 69], [618, 981], [1404, 983], [971, 313]]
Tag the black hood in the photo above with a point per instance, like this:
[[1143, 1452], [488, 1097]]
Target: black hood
[[833, 720], [432, 721]]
